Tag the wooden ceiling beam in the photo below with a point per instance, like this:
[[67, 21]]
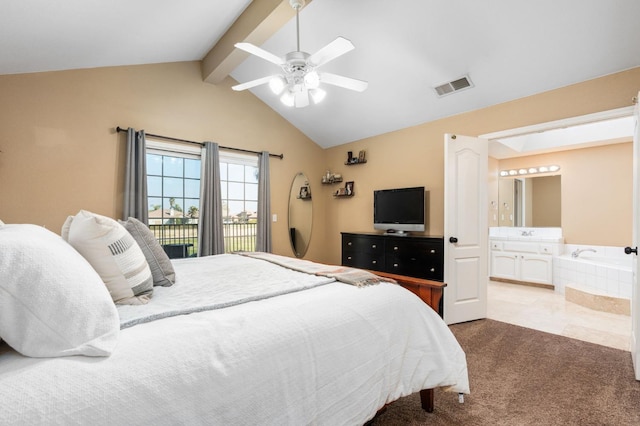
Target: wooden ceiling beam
[[259, 21]]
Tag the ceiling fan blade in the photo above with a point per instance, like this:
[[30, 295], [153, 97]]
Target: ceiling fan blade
[[336, 48], [301, 99], [252, 83], [261, 53], [344, 82]]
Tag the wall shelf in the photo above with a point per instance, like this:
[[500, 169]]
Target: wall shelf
[[353, 160], [331, 181], [347, 191]]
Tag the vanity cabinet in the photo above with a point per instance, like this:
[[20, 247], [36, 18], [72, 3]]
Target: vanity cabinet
[[413, 256], [523, 261]]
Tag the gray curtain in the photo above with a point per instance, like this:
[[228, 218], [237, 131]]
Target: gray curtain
[[210, 228], [263, 238], [135, 182]]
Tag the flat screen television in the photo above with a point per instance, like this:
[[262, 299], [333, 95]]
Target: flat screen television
[[398, 211]]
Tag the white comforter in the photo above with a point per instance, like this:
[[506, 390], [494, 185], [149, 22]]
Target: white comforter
[[330, 355]]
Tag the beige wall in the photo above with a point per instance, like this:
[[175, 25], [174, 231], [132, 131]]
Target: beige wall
[[60, 152], [596, 192], [546, 201], [415, 156]]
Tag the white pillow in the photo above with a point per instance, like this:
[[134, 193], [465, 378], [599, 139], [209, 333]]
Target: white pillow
[[64, 232], [115, 256], [52, 302]]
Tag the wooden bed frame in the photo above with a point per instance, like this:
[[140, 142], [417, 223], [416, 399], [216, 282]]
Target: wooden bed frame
[[431, 293]]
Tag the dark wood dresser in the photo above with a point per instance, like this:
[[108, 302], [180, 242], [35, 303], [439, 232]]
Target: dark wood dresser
[[415, 262], [413, 256]]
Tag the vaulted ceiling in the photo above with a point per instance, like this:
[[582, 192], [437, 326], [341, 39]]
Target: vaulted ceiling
[[509, 49]]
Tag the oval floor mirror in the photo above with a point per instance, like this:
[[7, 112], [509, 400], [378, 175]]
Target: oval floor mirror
[[300, 215]]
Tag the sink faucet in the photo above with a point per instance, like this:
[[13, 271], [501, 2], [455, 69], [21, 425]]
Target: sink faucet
[[576, 253], [527, 233]]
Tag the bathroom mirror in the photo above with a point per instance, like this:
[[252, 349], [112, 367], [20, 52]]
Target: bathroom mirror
[[531, 202], [300, 215]]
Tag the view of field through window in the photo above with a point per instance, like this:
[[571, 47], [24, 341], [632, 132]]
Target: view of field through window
[[173, 190]]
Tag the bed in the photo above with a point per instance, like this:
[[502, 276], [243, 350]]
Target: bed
[[236, 340]]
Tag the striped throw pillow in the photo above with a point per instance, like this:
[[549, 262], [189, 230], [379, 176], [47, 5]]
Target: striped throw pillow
[[115, 255]]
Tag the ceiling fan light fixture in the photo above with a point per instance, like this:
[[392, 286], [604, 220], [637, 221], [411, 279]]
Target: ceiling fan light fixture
[[277, 84], [317, 95], [312, 80], [287, 98], [300, 83]]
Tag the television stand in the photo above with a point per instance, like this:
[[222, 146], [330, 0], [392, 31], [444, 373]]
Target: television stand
[[402, 254]]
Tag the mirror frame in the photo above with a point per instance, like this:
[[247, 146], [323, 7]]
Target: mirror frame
[[300, 213]]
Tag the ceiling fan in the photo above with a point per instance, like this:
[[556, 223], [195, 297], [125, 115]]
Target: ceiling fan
[[300, 80]]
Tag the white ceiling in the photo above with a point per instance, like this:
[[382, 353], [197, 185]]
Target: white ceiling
[[602, 128], [45, 35], [509, 49]]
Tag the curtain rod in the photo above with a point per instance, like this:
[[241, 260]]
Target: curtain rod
[[121, 129]]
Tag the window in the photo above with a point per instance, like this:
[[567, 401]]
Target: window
[[173, 190], [239, 187]]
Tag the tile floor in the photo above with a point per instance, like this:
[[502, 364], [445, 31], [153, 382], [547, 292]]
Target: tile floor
[[543, 309]]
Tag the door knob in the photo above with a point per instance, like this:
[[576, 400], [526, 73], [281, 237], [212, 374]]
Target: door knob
[[453, 240], [629, 250]]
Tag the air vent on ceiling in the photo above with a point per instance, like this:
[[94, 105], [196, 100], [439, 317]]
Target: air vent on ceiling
[[453, 86]]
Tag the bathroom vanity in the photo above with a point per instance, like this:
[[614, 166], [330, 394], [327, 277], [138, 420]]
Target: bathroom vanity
[[524, 254]]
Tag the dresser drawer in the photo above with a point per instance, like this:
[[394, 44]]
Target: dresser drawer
[[413, 267], [363, 260], [423, 250], [370, 245]]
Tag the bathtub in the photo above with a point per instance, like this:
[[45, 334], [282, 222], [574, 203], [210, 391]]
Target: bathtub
[[606, 275]]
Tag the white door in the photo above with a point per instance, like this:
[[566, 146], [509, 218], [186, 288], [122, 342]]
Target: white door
[[635, 296], [465, 228]]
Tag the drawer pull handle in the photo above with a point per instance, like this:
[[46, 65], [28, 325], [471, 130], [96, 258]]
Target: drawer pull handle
[[373, 246], [395, 248], [349, 257], [433, 269], [374, 262], [349, 243], [432, 251], [395, 265]]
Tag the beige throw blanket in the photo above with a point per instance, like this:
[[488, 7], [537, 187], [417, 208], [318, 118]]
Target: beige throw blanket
[[344, 274]]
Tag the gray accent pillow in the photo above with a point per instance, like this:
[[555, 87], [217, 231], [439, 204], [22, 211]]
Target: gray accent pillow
[[161, 267]]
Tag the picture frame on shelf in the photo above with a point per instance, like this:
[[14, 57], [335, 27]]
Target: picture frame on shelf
[[349, 188], [361, 156], [304, 192]]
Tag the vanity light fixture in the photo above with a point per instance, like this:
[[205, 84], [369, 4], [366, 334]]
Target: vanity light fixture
[[529, 171]]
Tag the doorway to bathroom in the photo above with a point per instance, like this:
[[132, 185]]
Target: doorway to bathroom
[[567, 143]]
